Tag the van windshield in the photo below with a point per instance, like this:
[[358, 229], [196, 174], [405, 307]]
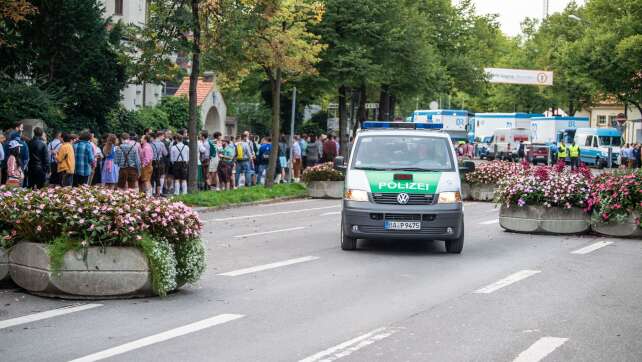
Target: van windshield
[[610, 141], [396, 153]]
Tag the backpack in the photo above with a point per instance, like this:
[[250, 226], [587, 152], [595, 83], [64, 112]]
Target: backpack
[[239, 151]]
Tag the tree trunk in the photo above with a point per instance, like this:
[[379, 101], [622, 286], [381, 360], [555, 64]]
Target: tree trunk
[[192, 184], [144, 94], [392, 105], [362, 114], [384, 103], [343, 120], [275, 81]]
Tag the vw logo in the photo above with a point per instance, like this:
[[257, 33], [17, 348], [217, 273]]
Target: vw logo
[[403, 198]]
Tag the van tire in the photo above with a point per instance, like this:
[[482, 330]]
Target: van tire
[[599, 164], [347, 243], [457, 245]]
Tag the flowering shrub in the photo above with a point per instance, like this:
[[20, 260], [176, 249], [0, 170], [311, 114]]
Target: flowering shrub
[[615, 197], [66, 219], [545, 186], [490, 173], [322, 172]]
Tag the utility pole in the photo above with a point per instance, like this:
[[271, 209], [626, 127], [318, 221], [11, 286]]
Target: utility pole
[[545, 9]]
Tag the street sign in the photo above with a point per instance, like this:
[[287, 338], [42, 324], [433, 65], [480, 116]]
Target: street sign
[[519, 76], [372, 105]]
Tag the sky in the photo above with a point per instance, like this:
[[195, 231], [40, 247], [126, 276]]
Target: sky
[[513, 12]]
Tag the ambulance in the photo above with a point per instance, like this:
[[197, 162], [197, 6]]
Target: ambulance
[[402, 182]]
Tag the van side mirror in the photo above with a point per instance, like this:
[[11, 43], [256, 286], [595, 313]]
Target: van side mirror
[[467, 166], [340, 164]]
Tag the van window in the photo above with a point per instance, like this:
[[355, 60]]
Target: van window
[[589, 141], [415, 153], [610, 141], [594, 141]]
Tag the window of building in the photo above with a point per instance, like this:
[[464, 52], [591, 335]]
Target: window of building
[[601, 120], [118, 7], [613, 121]]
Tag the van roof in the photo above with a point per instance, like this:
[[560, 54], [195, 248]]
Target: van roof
[[606, 132], [404, 132]]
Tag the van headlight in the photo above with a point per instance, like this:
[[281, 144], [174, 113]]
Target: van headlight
[[449, 198], [356, 195]]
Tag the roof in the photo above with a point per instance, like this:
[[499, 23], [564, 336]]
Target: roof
[[203, 89], [403, 132]]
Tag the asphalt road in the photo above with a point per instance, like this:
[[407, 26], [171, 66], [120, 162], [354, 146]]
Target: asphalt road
[[278, 288]]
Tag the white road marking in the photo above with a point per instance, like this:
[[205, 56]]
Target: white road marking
[[540, 349], [286, 203], [161, 337], [490, 222], [331, 213], [347, 348], [270, 232], [45, 315], [513, 278], [258, 268], [272, 214], [592, 247]]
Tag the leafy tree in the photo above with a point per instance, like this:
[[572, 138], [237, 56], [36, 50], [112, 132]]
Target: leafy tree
[[76, 60], [13, 12], [177, 110], [19, 101]]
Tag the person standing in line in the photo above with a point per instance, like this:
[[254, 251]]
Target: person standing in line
[[15, 172], [53, 148], [312, 152], [66, 161], [204, 160], [109, 171], [179, 156], [283, 157], [212, 171], [638, 157], [553, 153], [297, 160], [574, 154], [94, 178], [2, 156], [158, 163], [85, 158], [225, 166], [128, 161], [146, 158], [168, 141], [303, 144], [38, 160], [329, 150], [244, 155], [263, 159], [562, 152]]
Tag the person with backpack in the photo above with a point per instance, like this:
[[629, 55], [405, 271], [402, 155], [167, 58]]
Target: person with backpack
[[263, 159], [66, 161], [312, 152], [179, 157], [244, 156], [128, 161], [53, 148]]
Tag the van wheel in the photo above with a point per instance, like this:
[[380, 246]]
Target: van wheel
[[347, 243], [598, 163], [457, 245]]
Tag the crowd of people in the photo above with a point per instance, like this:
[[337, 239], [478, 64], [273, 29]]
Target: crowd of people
[[156, 162]]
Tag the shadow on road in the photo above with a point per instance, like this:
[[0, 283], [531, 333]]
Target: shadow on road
[[401, 247]]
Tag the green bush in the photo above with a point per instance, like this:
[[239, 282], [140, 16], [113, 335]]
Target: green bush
[[177, 111], [20, 101]]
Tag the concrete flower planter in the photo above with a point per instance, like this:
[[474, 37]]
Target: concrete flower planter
[[627, 229], [112, 272], [540, 219], [482, 192], [326, 189], [4, 266], [465, 191]]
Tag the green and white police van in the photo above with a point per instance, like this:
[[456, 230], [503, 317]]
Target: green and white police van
[[402, 182]]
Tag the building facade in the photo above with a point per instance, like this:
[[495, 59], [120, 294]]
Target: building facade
[[211, 104], [134, 12], [604, 114]]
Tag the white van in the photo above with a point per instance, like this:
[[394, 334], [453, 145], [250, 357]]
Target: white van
[[595, 143], [402, 182], [506, 142]]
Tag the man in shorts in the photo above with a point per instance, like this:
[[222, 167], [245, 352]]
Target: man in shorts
[[215, 151], [128, 160], [225, 166], [158, 163]]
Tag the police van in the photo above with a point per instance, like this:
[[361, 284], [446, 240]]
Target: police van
[[402, 182]]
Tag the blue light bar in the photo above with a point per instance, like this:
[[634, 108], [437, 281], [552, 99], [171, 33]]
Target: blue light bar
[[401, 125]]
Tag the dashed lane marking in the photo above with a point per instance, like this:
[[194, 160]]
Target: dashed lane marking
[[513, 278], [270, 232], [591, 248], [286, 203], [347, 348], [260, 268], [160, 337], [45, 315], [540, 349], [331, 213], [490, 222], [232, 218]]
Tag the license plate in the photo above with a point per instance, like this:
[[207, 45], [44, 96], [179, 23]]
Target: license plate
[[402, 225]]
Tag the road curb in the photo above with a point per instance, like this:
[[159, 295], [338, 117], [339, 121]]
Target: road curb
[[204, 210]]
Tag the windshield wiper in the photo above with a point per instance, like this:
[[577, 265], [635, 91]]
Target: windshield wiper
[[418, 169], [371, 168]]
